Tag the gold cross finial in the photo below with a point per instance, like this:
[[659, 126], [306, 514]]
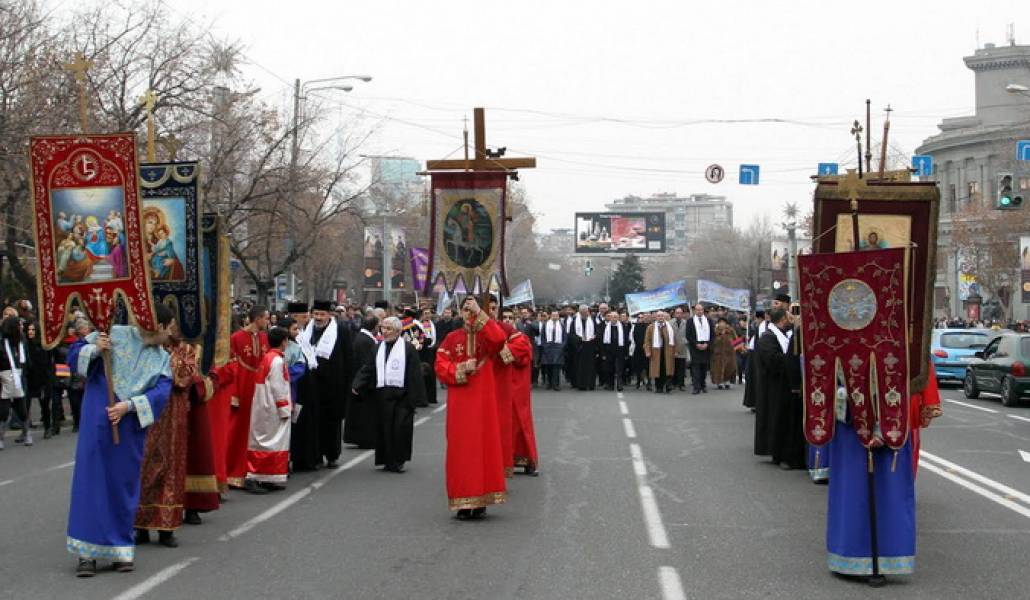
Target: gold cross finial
[[147, 101], [79, 67], [856, 130]]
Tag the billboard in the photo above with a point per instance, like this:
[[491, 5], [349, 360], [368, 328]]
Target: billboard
[[619, 233], [1024, 267]]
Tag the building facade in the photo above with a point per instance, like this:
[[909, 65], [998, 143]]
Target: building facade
[[968, 154], [686, 217]]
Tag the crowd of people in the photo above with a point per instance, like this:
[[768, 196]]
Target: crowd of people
[[161, 442]]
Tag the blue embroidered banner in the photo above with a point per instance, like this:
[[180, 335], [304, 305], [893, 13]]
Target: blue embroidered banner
[[667, 296], [171, 241]]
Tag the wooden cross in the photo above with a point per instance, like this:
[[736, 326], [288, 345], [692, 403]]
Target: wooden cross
[[79, 67], [148, 100], [172, 145], [481, 162], [850, 185]]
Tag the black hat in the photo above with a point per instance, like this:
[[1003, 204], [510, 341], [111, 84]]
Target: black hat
[[783, 298], [322, 305], [383, 304], [296, 307], [759, 313]]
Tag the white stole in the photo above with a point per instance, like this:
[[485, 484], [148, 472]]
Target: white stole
[[782, 338], [589, 334], [324, 349], [554, 332], [390, 373], [608, 333], [703, 330], [656, 340]]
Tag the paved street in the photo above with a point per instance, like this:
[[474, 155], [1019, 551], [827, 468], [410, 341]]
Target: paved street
[[639, 497]]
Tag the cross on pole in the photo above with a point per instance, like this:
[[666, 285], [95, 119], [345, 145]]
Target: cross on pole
[[481, 161], [79, 67], [147, 101]]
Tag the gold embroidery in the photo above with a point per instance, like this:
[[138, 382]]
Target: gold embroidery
[[506, 356], [201, 484], [478, 501], [509, 472], [236, 482]]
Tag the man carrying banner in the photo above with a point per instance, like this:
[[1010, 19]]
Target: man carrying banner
[[106, 479]]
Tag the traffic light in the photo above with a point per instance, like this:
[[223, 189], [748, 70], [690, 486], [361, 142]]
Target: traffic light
[[1005, 196]]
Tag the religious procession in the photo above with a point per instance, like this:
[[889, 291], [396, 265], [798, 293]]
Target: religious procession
[[285, 313]]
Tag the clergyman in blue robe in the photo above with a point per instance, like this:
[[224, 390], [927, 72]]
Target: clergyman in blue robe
[[106, 480]]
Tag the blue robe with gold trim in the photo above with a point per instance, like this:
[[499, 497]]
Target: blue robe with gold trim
[[106, 479]]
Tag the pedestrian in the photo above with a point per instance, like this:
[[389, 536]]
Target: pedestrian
[[614, 349], [248, 347], [15, 375], [268, 449], [583, 340], [552, 351], [699, 340], [41, 382], [474, 465], [639, 362], [394, 381], [660, 348], [679, 376], [724, 359], [779, 409], [360, 425], [106, 477]]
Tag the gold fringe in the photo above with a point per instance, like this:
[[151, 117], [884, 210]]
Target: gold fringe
[[202, 484], [478, 501]]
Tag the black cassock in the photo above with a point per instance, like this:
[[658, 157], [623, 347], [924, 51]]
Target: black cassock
[[639, 363], [584, 353], [779, 413], [359, 426], [332, 383], [613, 354], [394, 407], [428, 357]]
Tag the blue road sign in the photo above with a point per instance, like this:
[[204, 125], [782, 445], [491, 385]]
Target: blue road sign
[[749, 174], [923, 164], [828, 168], [1023, 150]]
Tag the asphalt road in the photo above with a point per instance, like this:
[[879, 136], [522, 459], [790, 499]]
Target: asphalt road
[[643, 496]]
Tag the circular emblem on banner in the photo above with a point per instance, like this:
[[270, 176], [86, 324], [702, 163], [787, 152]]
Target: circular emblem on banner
[[468, 235], [714, 173], [85, 165], [852, 304]]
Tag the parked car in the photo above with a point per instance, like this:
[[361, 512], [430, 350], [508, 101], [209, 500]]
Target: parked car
[[1002, 369], [954, 349]]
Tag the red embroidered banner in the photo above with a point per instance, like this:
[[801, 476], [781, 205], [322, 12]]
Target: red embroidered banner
[[853, 313], [87, 223]]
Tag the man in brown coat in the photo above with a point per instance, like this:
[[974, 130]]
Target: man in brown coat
[[660, 348]]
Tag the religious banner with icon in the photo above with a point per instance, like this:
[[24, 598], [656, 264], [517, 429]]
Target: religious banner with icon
[[467, 230], [855, 344], [87, 224], [217, 299], [892, 213], [171, 241]]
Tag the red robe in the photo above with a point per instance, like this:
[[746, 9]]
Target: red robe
[[224, 380], [502, 364], [475, 466], [520, 349], [201, 483], [247, 350], [923, 408]]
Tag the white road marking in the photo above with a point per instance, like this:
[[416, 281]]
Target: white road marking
[[60, 466], [628, 426], [672, 586], [623, 408], [1024, 455], [421, 421], [620, 395], [655, 528], [977, 489], [3, 483], [440, 409], [1010, 493], [140, 589], [638, 460], [968, 405], [1020, 418]]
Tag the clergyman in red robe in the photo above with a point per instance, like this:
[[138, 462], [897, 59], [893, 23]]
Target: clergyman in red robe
[[517, 354], [247, 346], [474, 463]]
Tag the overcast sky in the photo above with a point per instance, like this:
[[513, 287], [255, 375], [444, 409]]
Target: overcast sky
[[607, 95]]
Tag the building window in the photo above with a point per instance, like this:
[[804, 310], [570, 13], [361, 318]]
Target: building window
[[1024, 184], [952, 198], [973, 192]]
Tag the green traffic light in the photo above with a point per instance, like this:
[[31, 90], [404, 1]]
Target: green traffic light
[[1006, 201]]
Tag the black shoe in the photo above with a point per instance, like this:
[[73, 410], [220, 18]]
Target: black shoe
[[75, 428], [86, 568], [648, 387], [694, 393], [786, 466], [192, 517], [683, 388], [142, 537], [479, 513], [704, 390], [48, 434], [272, 487], [252, 486], [332, 465], [124, 567], [531, 471], [618, 389], [464, 514], [167, 539]]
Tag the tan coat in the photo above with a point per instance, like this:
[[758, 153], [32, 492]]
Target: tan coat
[[668, 351]]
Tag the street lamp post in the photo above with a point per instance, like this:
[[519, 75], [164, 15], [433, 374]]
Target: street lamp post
[[299, 93]]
